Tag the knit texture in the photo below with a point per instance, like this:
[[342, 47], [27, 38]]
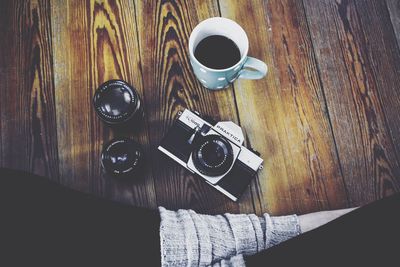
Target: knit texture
[[191, 239], [235, 261]]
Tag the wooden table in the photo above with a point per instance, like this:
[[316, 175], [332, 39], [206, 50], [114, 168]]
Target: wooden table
[[325, 119]]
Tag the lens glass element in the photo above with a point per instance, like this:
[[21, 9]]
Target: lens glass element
[[213, 155], [115, 102], [214, 152], [121, 156]]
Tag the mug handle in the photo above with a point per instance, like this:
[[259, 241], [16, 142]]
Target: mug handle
[[259, 69]]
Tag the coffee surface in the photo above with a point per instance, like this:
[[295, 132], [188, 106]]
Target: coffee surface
[[217, 52]]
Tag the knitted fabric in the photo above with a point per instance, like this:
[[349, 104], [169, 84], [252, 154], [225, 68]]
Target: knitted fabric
[[235, 261], [191, 239]]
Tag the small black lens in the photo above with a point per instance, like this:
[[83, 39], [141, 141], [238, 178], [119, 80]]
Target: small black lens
[[116, 102], [122, 157], [213, 155]]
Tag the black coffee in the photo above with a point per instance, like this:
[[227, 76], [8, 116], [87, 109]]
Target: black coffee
[[217, 52]]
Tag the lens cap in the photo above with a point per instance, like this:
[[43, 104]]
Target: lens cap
[[121, 157], [116, 101]]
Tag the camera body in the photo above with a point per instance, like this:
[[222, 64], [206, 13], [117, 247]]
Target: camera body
[[215, 152]]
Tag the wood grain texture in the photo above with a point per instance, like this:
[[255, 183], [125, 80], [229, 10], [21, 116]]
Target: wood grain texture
[[285, 114], [325, 119], [164, 29], [94, 41], [393, 7], [383, 54], [28, 139], [366, 151]]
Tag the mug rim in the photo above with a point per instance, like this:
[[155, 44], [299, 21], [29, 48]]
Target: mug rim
[[196, 29]]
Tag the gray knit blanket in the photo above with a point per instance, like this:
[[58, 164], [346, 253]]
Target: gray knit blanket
[[192, 239]]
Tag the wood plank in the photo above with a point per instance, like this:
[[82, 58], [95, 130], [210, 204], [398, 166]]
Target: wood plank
[[367, 154], [383, 54], [28, 139], [94, 41], [164, 30], [284, 114], [394, 11]]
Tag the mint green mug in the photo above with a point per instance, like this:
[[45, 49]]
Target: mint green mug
[[246, 68]]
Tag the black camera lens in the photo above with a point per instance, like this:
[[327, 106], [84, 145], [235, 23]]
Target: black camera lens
[[116, 102], [213, 155], [122, 157]]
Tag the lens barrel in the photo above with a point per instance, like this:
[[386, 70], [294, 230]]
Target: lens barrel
[[122, 157], [212, 155], [118, 103]]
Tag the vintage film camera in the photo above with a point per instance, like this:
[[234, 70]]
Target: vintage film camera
[[214, 152]]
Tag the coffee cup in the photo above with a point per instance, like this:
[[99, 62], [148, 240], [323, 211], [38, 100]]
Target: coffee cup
[[218, 50]]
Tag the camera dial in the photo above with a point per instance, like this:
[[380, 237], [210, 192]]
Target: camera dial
[[212, 155]]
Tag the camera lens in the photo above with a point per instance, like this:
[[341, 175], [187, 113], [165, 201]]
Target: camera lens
[[121, 157], [212, 155], [116, 102]]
